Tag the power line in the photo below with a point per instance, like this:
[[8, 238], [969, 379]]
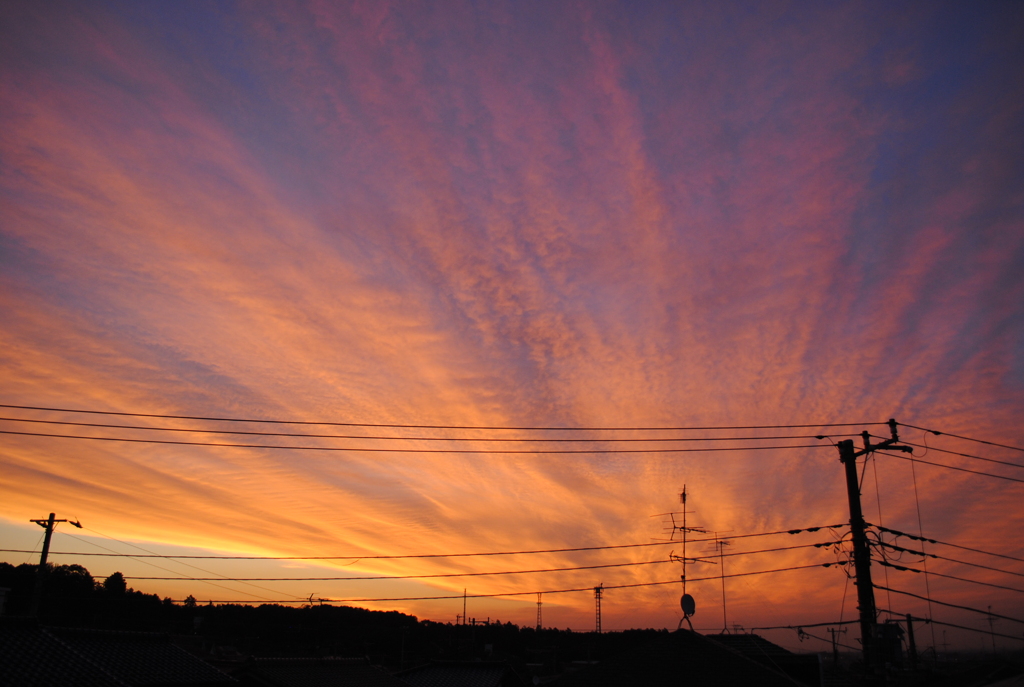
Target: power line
[[956, 453], [961, 627], [942, 603], [196, 430], [409, 450], [188, 565], [441, 555], [469, 574], [945, 543], [411, 577], [951, 467], [552, 591], [411, 426], [800, 631], [951, 577], [958, 436], [947, 558], [796, 627], [162, 568]]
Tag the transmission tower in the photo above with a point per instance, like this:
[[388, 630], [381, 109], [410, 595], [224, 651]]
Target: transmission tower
[[598, 590], [538, 611]]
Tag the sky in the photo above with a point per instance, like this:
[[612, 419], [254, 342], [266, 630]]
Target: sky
[[515, 215]]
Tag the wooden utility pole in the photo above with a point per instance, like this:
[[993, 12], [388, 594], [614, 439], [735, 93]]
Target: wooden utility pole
[[911, 643], [835, 644], [861, 548], [37, 592]]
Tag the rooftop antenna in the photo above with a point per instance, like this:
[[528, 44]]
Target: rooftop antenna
[[687, 602], [720, 545], [685, 530]]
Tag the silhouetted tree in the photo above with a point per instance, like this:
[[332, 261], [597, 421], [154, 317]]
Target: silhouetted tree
[[115, 585]]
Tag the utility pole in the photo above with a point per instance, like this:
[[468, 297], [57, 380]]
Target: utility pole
[[911, 644], [861, 548], [835, 644], [992, 629], [49, 524]]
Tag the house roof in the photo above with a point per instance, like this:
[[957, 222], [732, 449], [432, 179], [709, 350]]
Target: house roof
[[460, 674], [316, 672], [805, 668], [751, 645], [31, 657], [37, 656], [141, 658], [681, 657]]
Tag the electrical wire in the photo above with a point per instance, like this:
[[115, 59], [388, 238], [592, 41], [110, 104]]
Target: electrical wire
[[951, 577], [794, 627], [958, 436], [195, 430], [443, 555], [800, 632], [413, 577], [474, 574], [920, 530], [219, 577], [951, 467], [964, 455], [943, 603], [410, 426], [34, 549], [960, 627], [409, 450], [162, 568], [946, 543], [553, 591], [878, 504], [947, 558]]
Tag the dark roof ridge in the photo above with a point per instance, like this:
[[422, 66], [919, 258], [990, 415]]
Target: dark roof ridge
[[106, 632], [88, 661], [776, 670], [310, 659]]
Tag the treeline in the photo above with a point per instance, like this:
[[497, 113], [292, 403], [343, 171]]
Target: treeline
[[72, 597]]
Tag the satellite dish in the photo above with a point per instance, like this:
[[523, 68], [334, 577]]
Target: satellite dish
[[688, 605]]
